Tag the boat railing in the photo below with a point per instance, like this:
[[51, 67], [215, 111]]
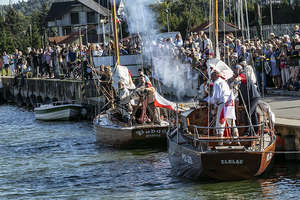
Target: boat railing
[[228, 127], [208, 138]]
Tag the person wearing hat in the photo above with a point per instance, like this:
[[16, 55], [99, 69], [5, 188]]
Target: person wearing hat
[[147, 93], [248, 96], [234, 59], [220, 96], [247, 69]]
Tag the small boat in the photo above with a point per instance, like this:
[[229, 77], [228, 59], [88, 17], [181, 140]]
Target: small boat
[[195, 153], [138, 131], [110, 131], [57, 112]]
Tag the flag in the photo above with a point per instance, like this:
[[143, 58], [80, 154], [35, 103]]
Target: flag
[[228, 111], [161, 102], [118, 20], [229, 108]]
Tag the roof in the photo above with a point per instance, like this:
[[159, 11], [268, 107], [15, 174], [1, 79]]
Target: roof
[[96, 7], [205, 27], [58, 9], [68, 38]]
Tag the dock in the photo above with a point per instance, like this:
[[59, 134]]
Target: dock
[[30, 92], [287, 110]]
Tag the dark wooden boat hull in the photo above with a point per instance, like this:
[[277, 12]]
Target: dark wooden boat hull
[[197, 165], [131, 137]]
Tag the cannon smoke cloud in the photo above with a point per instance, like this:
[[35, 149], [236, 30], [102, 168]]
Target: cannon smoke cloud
[[171, 72]]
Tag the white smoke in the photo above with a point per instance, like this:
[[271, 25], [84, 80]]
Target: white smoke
[[171, 72]]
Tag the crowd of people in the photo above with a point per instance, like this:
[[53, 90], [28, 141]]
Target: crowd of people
[[56, 61], [276, 61]]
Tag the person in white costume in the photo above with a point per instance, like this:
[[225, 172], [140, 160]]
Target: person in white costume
[[222, 98]]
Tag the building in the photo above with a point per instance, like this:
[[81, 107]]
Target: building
[[68, 19], [267, 2]]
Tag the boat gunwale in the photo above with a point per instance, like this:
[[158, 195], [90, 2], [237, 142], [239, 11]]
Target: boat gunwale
[[46, 107], [130, 127]]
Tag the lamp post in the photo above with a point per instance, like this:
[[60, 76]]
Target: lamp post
[[103, 21]]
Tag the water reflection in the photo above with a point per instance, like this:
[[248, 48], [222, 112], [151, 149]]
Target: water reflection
[[62, 161]]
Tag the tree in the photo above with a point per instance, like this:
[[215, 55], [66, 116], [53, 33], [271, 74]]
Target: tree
[[3, 36], [36, 41], [183, 14]]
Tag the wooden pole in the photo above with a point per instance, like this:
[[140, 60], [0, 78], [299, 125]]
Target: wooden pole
[[216, 26], [116, 40]]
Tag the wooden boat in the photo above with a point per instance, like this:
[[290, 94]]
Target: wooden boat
[[109, 126], [57, 111], [196, 154], [110, 131]]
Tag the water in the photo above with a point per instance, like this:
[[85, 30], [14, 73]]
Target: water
[[40, 160]]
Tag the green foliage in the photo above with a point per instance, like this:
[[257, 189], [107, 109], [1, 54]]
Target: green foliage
[[29, 7], [36, 40], [21, 31], [182, 14], [3, 45]]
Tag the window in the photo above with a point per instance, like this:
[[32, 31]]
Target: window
[[91, 17], [74, 18], [67, 30]]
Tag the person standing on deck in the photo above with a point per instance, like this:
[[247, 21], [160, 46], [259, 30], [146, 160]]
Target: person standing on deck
[[220, 97], [125, 106], [146, 89], [249, 97]]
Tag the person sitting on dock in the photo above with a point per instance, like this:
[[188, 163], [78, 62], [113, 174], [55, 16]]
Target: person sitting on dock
[[125, 106]]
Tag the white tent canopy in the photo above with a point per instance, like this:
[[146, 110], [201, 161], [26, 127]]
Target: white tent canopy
[[219, 66]]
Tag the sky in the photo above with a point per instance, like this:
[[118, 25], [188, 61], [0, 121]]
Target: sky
[[7, 1]]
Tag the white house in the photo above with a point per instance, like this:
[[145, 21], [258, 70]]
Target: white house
[[67, 19]]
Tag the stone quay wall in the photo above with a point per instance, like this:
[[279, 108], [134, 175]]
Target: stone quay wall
[[34, 91]]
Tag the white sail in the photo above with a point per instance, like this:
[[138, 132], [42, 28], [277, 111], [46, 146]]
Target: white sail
[[122, 73]]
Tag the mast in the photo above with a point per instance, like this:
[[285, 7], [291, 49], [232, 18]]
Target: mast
[[115, 27], [215, 26]]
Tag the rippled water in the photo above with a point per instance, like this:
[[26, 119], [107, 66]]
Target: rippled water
[[40, 160]]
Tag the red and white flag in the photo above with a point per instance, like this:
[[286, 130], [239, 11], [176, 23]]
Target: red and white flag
[[229, 108], [228, 111], [118, 20], [161, 102]]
